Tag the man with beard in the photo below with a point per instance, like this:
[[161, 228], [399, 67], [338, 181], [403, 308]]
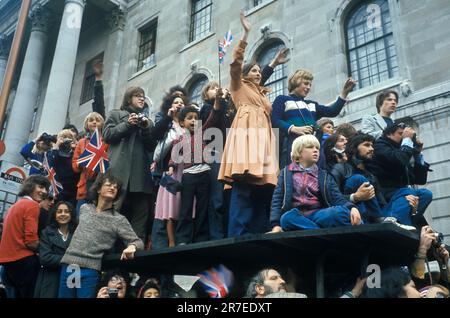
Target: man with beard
[[362, 187], [266, 282]]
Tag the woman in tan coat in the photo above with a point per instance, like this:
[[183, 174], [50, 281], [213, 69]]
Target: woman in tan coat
[[249, 162]]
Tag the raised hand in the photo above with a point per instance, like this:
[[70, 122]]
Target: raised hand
[[245, 23], [281, 57], [348, 87]]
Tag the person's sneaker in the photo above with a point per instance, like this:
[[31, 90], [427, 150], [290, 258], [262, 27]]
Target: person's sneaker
[[388, 219], [406, 227]]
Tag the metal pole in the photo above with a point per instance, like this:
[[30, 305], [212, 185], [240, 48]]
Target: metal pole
[[13, 57]]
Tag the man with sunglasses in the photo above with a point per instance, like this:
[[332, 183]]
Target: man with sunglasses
[[392, 166]]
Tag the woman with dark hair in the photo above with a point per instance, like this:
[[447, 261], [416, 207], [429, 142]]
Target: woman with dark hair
[[114, 284], [395, 282], [334, 151], [55, 239], [167, 204], [150, 289], [99, 228], [249, 161]]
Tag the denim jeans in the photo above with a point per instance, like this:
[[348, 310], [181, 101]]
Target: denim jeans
[[399, 207], [325, 218], [370, 209], [249, 209], [88, 280]]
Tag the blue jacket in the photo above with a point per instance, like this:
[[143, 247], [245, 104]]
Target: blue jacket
[[282, 197]]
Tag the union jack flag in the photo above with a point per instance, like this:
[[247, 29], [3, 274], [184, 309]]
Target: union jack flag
[[55, 187], [227, 39], [94, 157], [226, 42], [222, 52], [217, 281]]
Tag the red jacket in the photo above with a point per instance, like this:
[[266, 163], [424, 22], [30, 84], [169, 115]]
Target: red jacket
[[20, 228]]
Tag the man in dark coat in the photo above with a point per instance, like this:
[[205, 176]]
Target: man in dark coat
[[128, 133], [392, 166]]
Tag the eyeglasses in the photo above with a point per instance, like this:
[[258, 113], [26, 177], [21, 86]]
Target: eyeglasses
[[139, 96], [117, 279]]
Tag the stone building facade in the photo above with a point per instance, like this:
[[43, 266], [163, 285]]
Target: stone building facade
[[155, 44]]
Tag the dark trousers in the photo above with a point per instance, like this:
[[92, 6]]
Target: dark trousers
[[189, 229], [135, 206], [216, 209], [22, 275], [249, 209]]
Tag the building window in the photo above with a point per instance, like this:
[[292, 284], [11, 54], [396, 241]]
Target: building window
[[200, 19], [278, 81], [147, 46], [372, 57], [87, 93], [195, 89]]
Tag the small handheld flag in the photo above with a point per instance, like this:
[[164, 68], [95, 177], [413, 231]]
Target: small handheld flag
[[228, 39], [94, 157], [55, 187], [217, 281]]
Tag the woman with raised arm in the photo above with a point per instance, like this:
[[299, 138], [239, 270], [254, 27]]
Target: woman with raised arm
[[249, 162]]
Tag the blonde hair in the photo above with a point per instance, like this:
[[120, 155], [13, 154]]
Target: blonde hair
[[92, 115], [298, 77], [66, 134], [303, 142], [207, 88]]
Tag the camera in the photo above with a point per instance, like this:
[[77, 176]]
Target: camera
[[65, 149], [439, 239], [48, 139], [113, 292], [141, 118]]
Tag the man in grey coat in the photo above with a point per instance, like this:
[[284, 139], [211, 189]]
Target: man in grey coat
[[128, 133], [387, 102]]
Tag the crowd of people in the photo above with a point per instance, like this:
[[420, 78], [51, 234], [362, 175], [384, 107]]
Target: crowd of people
[[194, 175]]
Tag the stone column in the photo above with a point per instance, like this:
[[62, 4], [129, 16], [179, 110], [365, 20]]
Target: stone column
[[21, 116], [112, 58], [4, 52], [56, 102]]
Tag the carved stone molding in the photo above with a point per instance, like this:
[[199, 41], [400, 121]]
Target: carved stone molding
[[116, 19], [40, 19]]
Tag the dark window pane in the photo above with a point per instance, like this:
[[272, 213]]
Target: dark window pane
[[87, 93], [200, 19], [146, 57]]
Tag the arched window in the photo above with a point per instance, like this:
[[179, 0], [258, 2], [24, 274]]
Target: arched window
[[277, 82], [195, 89], [372, 57]]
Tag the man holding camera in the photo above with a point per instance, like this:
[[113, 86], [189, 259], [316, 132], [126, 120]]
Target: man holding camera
[[431, 243], [34, 152], [128, 133], [391, 164]]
